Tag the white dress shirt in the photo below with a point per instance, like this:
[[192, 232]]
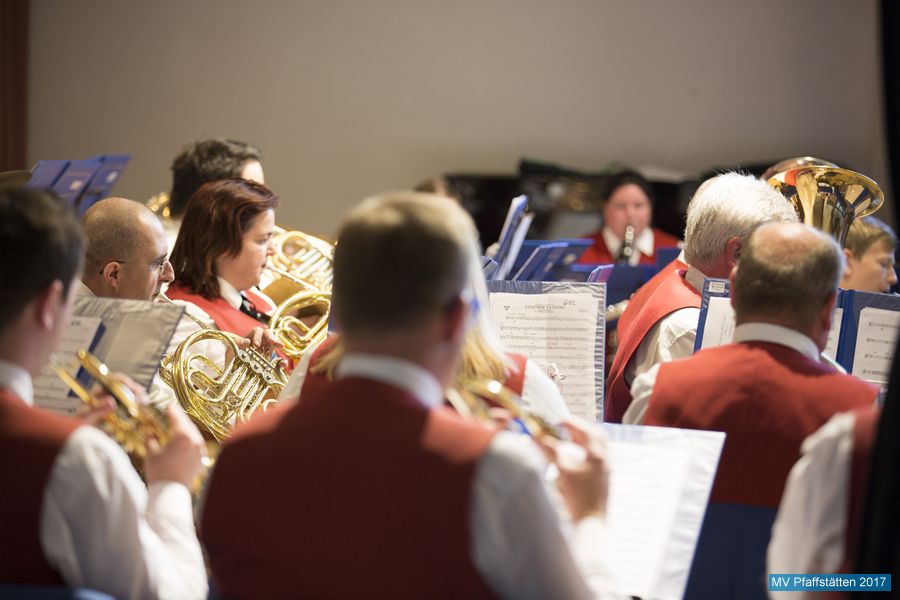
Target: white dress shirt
[[642, 388], [671, 338], [94, 531], [809, 534], [518, 542], [643, 243]]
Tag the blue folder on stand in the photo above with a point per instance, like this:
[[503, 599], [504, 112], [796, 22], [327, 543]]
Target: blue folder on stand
[[575, 247], [541, 263], [103, 180], [853, 303], [71, 184], [712, 288], [45, 173]]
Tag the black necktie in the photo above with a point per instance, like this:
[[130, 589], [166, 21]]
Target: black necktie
[[249, 309]]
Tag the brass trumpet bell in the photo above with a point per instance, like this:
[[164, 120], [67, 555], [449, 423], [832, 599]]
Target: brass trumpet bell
[[131, 424], [219, 397], [829, 198]]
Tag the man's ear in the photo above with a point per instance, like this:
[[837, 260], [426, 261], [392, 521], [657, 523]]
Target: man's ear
[[454, 320], [47, 304], [110, 274], [848, 263], [733, 251]]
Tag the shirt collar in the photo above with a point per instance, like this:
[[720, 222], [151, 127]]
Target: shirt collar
[[397, 372], [643, 243], [17, 380], [695, 278], [776, 334], [82, 290], [230, 294]]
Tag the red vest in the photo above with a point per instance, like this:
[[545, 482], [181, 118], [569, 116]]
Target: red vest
[[30, 441], [313, 382], [672, 293], [225, 316], [359, 491], [865, 428], [766, 397], [599, 253], [643, 294]]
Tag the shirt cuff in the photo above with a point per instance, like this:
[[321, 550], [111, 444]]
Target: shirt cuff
[[170, 501]]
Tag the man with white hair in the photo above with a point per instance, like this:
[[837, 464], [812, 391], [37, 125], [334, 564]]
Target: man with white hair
[[663, 327]]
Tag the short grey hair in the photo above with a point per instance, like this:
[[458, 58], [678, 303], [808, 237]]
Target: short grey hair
[[728, 206], [786, 271]]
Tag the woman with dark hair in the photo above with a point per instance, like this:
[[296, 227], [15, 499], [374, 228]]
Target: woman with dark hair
[[221, 252], [626, 202]]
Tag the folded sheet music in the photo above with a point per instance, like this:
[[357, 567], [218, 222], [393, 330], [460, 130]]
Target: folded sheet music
[[49, 390], [130, 336], [660, 481]]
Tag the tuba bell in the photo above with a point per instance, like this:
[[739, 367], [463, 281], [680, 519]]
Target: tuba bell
[[829, 198]]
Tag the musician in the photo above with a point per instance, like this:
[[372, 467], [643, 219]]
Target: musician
[[663, 327], [75, 511], [220, 255], [628, 200], [818, 522], [769, 389], [208, 160], [483, 357], [869, 251], [398, 497], [126, 254]]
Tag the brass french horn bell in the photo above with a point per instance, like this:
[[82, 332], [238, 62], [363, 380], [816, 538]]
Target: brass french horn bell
[[829, 198], [476, 398], [301, 321]]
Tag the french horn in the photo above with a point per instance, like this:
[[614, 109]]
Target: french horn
[[217, 398], [829, 198], [475, 399]]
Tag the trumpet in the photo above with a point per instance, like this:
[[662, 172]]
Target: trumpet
[[476, 398], [131, 424]]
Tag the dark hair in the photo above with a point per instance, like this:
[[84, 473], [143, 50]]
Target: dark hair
[[214, 224], [623, 178], [400, 259], [204, 161], [40, 242]]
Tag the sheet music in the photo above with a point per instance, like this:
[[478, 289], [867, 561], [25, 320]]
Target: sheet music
[[660, 480], [719, 329], [875, 341], [49, 390], [720, 323], [558, 329]]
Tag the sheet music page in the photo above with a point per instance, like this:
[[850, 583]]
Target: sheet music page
[[558, 329], [49, 390], [660, 480], [834, 336], [875, 341], [719, 328]]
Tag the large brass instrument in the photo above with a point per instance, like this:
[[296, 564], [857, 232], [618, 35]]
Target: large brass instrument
[[795, 163], [829, 198], [219, 397], [301, 321]]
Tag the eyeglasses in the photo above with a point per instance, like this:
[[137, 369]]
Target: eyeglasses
[[155, 265]]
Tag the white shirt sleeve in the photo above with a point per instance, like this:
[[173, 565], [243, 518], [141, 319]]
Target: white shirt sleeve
[[95, 533], [518, 542], [641, 390], [541, 395], [291, 391], [670, 339], [809, 533]]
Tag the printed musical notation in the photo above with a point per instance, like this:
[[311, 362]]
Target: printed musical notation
[[49, 390], [558, 329], [875, 341]]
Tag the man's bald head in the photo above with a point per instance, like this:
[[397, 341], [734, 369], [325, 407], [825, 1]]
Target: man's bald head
[[125, 250], [787, 272]]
